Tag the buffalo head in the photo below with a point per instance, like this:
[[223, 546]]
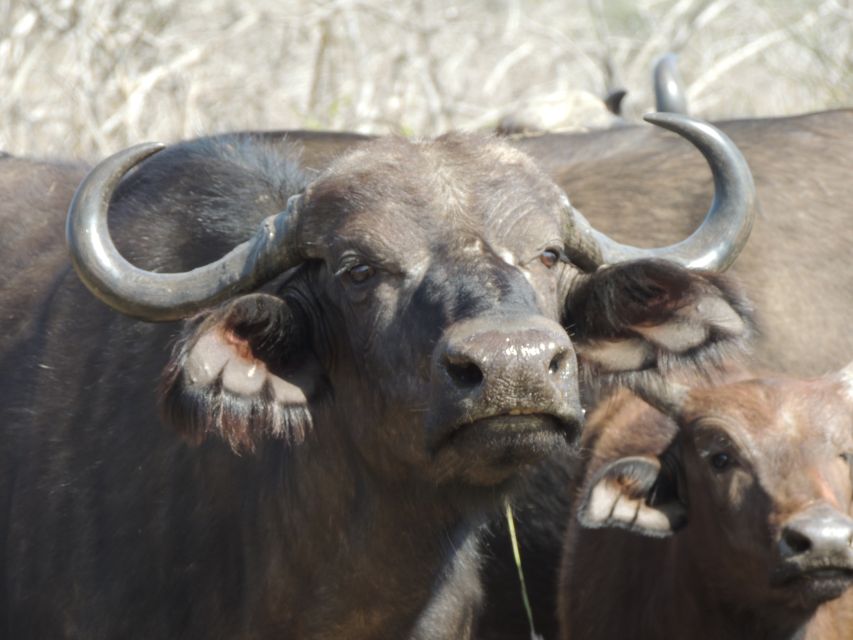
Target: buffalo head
[[759, 473], [424, 298]]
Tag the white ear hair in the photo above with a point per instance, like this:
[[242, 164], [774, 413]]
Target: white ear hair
[[621, 496], [214, 358]]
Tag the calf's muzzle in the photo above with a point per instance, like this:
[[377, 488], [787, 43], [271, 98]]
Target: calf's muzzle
[[818, 537], [816, 553]]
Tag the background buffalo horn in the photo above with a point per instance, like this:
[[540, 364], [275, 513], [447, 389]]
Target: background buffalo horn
[[669, 89], [158, 297], [725, 229]]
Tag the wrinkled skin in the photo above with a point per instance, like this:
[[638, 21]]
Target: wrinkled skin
[[384, 396], [732, 520]]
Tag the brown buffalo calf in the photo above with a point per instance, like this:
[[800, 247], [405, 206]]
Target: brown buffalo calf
[[730, 518]]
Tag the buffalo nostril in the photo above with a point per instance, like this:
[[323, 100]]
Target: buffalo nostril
[[796, 541], [556, 363], [820, 533], [464, 374]]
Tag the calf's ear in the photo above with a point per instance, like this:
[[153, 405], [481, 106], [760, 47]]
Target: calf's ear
[[637, 494], [242, 371], [653, 314]]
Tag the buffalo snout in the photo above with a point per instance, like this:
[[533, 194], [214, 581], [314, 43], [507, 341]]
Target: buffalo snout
[[507, 375], [816, 546]]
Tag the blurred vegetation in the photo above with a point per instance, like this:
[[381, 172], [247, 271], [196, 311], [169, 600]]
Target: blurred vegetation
[[86, 77]]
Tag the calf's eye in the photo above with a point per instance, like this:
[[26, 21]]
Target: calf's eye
[[549, 257], [361, 273], [721, 461]]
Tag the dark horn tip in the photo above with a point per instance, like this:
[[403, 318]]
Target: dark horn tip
[[109, 172], [667, 62], [680, 123], [139, 152]]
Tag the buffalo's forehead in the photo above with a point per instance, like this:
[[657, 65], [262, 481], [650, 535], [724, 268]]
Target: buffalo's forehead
[[788, 428], [408, 194], [775, 408]]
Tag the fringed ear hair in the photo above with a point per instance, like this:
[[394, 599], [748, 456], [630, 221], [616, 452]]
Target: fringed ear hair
[[243, 371], [654, 315], [637, 494]]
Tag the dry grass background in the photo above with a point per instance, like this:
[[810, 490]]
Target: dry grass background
[[86, 77]]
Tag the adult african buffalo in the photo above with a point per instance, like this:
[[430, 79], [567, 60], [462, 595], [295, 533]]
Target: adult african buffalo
[[386, 352], [796, 269], [726, 512]]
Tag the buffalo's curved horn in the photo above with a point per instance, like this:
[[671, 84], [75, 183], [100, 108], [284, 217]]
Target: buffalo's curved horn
[[726, 227], [670, 96], [158, 297]]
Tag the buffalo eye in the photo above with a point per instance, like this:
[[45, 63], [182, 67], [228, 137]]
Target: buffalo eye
[[721, 461], [550, 257], [360, 273]]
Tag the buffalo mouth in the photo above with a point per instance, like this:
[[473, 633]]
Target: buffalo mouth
[[816, 584], [494, 450], [513, 437]]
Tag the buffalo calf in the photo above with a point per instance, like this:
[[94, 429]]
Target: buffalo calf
[[723, 513]]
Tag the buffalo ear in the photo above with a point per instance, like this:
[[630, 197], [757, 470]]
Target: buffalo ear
[[655, 314], [636, 494], [243, 371]]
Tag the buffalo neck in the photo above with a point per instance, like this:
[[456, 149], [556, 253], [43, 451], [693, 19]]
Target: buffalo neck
[[290, 541], [339, 551], [725, 605], [679, 598]]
